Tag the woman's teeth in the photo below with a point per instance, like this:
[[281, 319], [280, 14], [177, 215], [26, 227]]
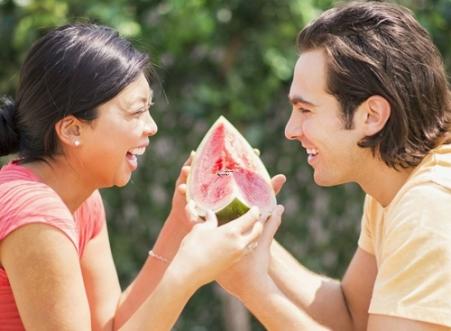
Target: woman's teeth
[[312, 151], [137, 151]]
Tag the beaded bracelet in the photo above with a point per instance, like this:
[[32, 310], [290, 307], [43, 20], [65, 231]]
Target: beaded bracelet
[[158, 257]]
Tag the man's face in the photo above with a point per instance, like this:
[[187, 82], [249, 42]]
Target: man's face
[[316, 123]]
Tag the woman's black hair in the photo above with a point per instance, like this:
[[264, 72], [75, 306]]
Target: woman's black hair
[[70, 71]]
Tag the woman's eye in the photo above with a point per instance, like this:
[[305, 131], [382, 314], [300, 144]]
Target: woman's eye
[[140, 111], [304, 110]]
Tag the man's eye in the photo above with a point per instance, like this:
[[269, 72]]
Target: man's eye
[[304, 110]]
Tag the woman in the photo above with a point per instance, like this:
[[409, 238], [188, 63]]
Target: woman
[[80, 118]]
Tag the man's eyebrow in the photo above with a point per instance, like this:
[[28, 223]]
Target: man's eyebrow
[[295, 99]]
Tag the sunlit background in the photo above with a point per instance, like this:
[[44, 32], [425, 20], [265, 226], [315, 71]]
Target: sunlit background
[[231, 58]]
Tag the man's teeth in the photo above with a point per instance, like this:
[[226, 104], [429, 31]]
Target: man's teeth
[[312, 151], [137, 151]]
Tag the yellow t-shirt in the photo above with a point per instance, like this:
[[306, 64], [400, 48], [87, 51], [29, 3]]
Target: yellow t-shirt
[[411, 241]]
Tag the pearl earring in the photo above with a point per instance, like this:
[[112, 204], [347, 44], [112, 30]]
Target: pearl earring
[[77, 143]]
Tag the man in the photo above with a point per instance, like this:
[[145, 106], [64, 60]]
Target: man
[[371, 105]]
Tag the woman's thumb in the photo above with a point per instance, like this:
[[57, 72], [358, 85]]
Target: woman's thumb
[[211, 218]]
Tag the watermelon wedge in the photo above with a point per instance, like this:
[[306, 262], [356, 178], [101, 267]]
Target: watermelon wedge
[[227, 176]]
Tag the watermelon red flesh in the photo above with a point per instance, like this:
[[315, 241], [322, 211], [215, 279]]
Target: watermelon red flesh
[[225, 169]]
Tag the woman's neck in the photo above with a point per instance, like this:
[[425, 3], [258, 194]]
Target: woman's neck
[[58, 174]]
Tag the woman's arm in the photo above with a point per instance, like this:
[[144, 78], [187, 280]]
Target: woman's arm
[[44, 272], [204, 253], [110, 308], [174, 230]]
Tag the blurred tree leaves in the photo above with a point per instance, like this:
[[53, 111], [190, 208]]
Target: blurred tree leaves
[[213, 57]]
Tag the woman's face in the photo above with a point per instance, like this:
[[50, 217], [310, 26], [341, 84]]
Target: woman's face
[[110, 144]]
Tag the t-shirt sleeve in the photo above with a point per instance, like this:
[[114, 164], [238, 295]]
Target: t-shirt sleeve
[[414, 274], [27, 202], [365, 239], [91, 219], [97, 211]]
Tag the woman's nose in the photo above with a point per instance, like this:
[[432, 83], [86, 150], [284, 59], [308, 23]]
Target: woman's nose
[[150, 127]]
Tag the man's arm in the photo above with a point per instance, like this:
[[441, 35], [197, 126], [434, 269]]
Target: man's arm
[[292, 297], [384, 322], [275, 310], [250, 281], [338, 306]]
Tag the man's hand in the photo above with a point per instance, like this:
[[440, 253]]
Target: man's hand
[[253, 269]]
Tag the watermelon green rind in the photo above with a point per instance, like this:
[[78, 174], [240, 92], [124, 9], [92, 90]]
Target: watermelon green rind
[[233, 210]]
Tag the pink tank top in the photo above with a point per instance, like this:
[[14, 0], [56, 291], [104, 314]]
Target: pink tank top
[[25, 200]]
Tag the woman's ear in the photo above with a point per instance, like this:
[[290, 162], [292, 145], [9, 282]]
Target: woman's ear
[[68, 130], [377, 113]]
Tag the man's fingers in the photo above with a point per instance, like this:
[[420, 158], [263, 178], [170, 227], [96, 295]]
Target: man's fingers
[[277, 182], [246, 221], [254, 234], [271, 226]]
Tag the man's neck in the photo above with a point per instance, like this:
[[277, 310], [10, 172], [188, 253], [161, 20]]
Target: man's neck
[[383, 182]]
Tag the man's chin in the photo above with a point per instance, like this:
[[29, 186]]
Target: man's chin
[[325, 181]]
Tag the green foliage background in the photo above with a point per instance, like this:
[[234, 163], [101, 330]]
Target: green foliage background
[[213, 57]]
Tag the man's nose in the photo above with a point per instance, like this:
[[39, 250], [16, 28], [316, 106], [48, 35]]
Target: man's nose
[[293, 128]]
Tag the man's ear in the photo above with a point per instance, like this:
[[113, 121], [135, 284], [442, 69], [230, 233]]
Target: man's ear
[[68, 130], [377, 113]]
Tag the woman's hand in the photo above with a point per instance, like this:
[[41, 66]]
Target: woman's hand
[[177, 225], [177, 212], [208, 250]]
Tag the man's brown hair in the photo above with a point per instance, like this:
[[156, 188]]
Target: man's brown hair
[[375, 48]]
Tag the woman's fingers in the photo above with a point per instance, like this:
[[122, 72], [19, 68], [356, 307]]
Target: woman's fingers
[[184, 172], [189, 160], [181, 189], [211, 219], [191, 213], [195, 215], [277, 182]]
